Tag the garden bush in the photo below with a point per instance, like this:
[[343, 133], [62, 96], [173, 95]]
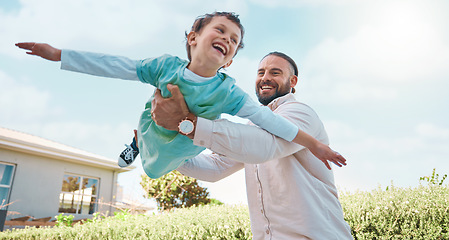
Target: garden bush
[[394, 213], [399, 213], [203, 222]]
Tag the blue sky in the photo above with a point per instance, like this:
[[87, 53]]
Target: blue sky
[[376, 72]]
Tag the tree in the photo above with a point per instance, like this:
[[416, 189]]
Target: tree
[[175, 190]]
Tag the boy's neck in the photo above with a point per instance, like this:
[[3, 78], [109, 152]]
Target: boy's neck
[[203, 70]]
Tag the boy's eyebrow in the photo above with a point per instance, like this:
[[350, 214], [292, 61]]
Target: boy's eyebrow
[[224, 26]]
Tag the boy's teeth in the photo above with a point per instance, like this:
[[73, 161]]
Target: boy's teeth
[[220, 47]]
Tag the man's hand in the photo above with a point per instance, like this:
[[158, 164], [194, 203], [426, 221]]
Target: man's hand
[[42, 50], [169, 112]]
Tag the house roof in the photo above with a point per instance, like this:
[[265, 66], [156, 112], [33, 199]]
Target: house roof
[[27, 143]]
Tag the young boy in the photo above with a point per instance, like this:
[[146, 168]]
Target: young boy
[[211, 45]]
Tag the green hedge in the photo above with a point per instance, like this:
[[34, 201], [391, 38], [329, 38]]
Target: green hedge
[[399, 213], [204, 222], [395, 213]]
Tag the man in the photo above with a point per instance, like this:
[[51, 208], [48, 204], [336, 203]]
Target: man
[[291, 194]]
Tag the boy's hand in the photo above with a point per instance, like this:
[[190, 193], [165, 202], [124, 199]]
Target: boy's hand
[[42, 50], [325, 154]]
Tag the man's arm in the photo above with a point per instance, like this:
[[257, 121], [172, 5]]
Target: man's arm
[[263, 117], [210, 167], [243, 143]]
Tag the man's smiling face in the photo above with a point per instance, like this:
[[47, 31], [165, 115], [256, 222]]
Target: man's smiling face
[[275, 78]]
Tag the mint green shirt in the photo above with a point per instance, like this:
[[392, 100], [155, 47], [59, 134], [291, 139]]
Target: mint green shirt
[[164, 150]]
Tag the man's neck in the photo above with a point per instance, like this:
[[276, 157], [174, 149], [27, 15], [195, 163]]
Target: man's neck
[[280, 100]]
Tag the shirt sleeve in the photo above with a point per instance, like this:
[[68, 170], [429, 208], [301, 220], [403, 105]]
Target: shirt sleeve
[[263, 117], [99, 64], [250, 144], [210, 167]]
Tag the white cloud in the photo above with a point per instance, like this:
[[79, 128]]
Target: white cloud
[[104, 139], [432, 131], [381, 160], [299, 3], [20, 102], [244, 70], [104, 24], [62, 22], [28, 109], [400, 46], [231, 190]]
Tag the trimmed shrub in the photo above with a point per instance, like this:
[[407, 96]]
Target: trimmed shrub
[[399, 213]]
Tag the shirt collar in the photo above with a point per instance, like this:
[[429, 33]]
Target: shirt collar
[[281, 100]]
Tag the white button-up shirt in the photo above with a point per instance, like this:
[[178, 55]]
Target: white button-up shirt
[[291, 194]]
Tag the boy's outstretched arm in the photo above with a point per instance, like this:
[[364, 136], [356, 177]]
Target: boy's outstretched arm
[[42, 50], [319, 149]]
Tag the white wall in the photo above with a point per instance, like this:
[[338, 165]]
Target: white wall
[[38, 180]]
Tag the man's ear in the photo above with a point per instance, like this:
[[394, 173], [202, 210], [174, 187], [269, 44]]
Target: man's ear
[[293, 81], [227, 64], [191, 38]]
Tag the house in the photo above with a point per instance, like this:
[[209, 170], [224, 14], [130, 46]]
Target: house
[[41, 178]]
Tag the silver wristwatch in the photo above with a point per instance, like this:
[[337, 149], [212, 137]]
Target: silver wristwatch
[[186, 126]]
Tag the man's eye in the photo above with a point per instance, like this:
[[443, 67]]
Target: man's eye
[[220, 30]]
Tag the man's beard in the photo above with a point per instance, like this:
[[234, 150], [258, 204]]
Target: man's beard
[[265, 100]]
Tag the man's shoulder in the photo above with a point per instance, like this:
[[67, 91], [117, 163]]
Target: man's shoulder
[[289, 101], [289, 105], [298, 107]]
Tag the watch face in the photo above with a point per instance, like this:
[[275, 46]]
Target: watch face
[[186, 127]]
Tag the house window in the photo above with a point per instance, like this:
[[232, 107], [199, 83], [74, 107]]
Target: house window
[[6, 176], [79, 195]]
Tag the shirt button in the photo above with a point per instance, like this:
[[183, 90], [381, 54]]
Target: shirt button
[[268, 231], [261, 210]]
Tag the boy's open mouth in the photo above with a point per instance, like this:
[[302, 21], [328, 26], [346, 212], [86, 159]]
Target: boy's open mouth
[[220, 48]]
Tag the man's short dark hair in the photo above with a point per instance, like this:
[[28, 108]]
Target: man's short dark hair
[[287, 58]]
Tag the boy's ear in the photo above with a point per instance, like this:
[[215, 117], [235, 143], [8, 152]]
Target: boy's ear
[[227, 64], [191, 38]]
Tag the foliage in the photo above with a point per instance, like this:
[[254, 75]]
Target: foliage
[[399, 213], [64, 220], [95, 218], [175, 190], [202, 222], [214, 201], [395, 213], [433, 179]]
